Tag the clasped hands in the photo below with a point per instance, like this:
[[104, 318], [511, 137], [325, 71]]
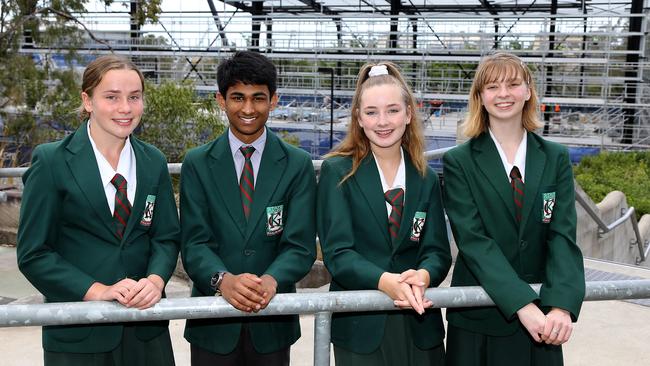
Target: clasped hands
[[553, 328], [248, 292], [407, 289], [140, 294]]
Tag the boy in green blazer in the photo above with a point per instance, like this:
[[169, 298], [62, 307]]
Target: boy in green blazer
[[248, 221], [99, 222], [510, 199], [381, 226]]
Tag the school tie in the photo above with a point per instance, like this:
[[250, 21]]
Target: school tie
[[517, 191], [395, 198], [246, 181], [122, 209]]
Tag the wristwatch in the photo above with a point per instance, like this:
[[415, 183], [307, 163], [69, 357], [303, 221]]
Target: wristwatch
[[215, 282]]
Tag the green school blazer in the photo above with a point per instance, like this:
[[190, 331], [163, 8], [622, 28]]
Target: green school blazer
[[497, 253], [67, 238], [216, 236], [357, 250]]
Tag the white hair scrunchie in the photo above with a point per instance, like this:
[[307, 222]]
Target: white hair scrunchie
[[378, 70]]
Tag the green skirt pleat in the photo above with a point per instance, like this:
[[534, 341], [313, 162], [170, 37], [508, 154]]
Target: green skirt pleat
[[396, 349], [130, 352], [466, 348]]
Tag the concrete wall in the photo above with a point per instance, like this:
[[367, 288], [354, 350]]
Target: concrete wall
[[618, 245]]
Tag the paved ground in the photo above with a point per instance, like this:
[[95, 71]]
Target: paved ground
[[608, 332]]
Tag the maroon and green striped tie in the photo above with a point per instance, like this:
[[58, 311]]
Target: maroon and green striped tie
[[247, 179], [517, 191], [395, 198], [122, 209]]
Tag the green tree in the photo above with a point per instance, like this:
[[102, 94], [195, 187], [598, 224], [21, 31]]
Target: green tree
[[33, 95], [175, 119]]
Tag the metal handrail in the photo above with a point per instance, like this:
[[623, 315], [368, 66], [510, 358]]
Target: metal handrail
[[603, 228], [321, 304]]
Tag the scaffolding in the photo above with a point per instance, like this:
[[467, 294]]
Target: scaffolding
[[590, 58]]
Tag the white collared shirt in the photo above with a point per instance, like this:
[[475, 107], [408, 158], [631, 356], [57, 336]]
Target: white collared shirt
[[238, 157], [520, 156], [400, 178], [126, 167]]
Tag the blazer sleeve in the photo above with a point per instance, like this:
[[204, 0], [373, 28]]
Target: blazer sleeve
[[434, 254], [480, 253], [297, 247], [336, 233], [165, 231], [51, 274], [564, 284], [199, 260]]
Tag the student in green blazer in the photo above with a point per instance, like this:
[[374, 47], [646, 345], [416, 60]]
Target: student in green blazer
[[248, 221], [79, 236], [510, 199], [381, 226]]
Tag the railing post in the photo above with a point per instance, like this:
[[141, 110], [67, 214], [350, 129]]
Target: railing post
[[322, 336]]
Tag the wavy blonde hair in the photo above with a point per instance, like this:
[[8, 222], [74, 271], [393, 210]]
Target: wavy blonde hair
[[497, 67], [356, 144]]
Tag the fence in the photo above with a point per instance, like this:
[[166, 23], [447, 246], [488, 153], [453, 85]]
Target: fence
[[320, 304]]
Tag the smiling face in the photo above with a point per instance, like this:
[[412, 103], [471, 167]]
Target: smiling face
[[115, 106], [383, 116], [504, 99], [247, 108]]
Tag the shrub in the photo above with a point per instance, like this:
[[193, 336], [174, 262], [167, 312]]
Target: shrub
[[628, 172]]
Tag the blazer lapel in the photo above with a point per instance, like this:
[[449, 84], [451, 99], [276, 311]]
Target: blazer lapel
[[535, 162], [222, 167], [413, 194], [145, 181], [367, 177], [272, 168], [83, 167], [489, 162]]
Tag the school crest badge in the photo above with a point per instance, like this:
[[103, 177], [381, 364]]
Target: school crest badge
[[274, 224], [418, 225], [147, 215], [548, 203]]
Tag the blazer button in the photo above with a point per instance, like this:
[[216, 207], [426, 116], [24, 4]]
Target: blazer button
[[523, 244], [248, 252]]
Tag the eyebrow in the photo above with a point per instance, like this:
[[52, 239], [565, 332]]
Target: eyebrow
[[116, 91], [258, 94]]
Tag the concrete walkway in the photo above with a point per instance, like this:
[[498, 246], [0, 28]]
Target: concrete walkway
[[608, 332]]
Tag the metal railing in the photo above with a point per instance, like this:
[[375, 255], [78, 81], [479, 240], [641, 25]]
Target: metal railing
[[322, 305], [604, 228]]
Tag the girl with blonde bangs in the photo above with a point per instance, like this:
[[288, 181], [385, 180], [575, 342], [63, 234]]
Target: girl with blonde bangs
[[356, 143], [510, 200], [498, 67], [381, 227]]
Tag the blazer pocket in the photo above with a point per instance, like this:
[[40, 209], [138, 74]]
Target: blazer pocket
[[274, 218], [68, 333]]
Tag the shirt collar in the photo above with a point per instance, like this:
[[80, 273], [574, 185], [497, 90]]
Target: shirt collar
[[400, 177], [236, 143], [520, 155], [106, 171]]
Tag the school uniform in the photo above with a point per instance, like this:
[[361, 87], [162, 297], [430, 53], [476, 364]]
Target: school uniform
[[67, 240], [505, 255], [217, 236], [357, 249]]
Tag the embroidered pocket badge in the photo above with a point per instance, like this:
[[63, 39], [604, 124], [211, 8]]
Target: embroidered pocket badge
[[418, 225], [147, 215], [274, 224], [548, 203]]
